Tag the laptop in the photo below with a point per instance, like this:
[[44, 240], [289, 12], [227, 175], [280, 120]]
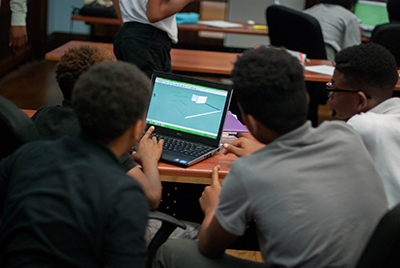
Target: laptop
[[189, 115], [371, 14]]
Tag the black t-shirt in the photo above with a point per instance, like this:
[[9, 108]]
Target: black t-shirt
[[70, 204], [54, 122]]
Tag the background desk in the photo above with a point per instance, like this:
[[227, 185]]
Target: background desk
[[197, 61], [245, 29]]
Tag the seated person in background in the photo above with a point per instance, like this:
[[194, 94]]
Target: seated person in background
[[393, 8], [340, 27], [69, 201], [54, 122], [369, 73], [312, 206]]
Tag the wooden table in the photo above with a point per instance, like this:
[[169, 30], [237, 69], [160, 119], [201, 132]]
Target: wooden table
[[196, 61], [245, 29], [199, 173]]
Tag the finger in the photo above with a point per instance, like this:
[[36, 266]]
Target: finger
[[214, 175], [161, 143], [230, 148], [148, 132]]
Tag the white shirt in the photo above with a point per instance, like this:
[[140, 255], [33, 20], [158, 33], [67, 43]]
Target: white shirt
[[18, 12], [380, 131], [135, 10]]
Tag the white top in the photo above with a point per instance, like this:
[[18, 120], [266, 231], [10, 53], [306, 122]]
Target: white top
[[314, 194], [340, 27], [380, 131], [135, 10], [18, 12]]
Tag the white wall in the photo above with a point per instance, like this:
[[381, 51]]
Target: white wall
[[59, 17]]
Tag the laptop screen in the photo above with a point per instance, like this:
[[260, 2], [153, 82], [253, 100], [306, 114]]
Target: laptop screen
[[371, 13], [187, 107]]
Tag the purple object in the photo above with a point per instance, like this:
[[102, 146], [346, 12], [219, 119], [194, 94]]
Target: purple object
[[232, 124]]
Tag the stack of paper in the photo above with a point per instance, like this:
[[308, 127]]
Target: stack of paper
[[220, 24]]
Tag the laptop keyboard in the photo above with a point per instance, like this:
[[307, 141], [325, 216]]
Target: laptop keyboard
[[188, 148]]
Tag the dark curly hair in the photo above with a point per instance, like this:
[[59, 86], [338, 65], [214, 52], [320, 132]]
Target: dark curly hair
[[75, 62], [393, 8], [109, 98], [370, 68], [348, 4], [269, 85]]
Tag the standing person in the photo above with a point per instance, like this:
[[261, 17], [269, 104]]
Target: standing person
[[69, 202], [314, 193], [18, 33], [339, 25], [361, 92], [148, 32]]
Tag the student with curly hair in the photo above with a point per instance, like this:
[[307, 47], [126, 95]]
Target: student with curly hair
[[340, 27], [54, 122], [313, 193], [70, 202], [361, 92]]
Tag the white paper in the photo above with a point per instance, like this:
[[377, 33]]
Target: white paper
[[220, 24], [321, 69]]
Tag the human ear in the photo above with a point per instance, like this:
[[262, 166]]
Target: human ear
[[362, 101], [137, 130]]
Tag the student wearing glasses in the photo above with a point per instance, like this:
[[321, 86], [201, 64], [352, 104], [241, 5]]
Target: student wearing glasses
[[314, 193], [361, 92]]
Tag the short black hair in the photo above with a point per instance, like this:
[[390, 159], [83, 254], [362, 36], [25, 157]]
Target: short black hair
[[393, 8], [269, 85], [109, 98], [75, 62], [348, 4], [370, 68]]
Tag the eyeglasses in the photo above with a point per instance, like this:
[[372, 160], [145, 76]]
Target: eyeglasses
[[329, 90]]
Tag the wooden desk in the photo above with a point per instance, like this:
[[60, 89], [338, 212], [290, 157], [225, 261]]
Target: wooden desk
[[196, 61], [199, 173], [246, 29]]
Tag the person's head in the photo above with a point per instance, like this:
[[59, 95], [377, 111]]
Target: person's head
[[75, 62], [348, 4], [269, 85], [370, 71], [110, 98], [393, 8]]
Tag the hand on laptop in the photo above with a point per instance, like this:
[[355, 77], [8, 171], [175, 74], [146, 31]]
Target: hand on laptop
[[148, 149], [241, 147]]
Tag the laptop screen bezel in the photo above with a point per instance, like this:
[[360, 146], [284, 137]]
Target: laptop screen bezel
[[189, 136]]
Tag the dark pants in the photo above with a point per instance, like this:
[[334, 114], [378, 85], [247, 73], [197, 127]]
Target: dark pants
[[144, 45]]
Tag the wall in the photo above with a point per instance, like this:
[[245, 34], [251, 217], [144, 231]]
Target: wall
[[59, 18]]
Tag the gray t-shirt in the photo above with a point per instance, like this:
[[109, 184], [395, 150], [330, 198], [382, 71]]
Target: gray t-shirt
[[314, 194], [340, 27]]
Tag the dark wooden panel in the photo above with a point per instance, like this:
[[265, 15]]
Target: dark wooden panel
[[37, 31]]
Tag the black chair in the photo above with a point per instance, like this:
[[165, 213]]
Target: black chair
[[296, 31], [301, 32], [169, 224], [388, 35], [383, 248], [16, 128]]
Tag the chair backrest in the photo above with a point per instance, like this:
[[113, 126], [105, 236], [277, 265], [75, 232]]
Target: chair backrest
[[388, 35], [296, 31], [16, 128], [383, 248]]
